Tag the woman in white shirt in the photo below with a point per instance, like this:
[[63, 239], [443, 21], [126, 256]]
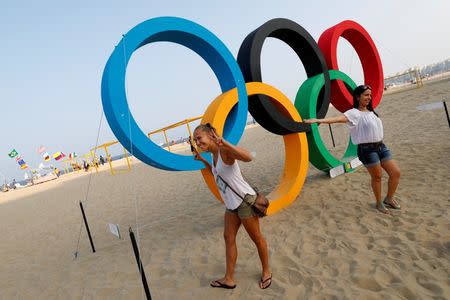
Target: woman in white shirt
[[366, 130], [238, 211]]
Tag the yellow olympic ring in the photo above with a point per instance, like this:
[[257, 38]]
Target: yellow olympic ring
[[295, 144]]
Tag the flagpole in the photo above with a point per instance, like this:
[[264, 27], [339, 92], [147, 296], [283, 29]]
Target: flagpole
[[4, 177]]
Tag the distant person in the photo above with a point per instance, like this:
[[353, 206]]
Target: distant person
[[57, 172], [190, 144], [85, 165], [366, 130], [13, 184], [102, 160]]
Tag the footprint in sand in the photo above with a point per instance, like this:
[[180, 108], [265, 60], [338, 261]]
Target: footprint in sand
[[363, 229], [411, 236], [423, 281], [367, 283], [295, 277], [381, 222]]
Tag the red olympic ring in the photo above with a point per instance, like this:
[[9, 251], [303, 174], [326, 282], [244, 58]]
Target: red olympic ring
[[364, 46]]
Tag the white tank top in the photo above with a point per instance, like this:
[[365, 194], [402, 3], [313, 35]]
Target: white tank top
[[230, 174]]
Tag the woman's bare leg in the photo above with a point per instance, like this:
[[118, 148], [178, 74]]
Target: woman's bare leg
[[251, 225], [232, 224], [375, 174], [391, 167]]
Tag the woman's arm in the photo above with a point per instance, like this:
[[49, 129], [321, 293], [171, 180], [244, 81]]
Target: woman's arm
[[338, 119], [232, 152], [235, 152]]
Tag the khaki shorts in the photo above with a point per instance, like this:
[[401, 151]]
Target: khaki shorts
[[245, 210]]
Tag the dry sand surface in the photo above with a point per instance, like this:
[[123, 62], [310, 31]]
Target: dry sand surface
[[329, 244]]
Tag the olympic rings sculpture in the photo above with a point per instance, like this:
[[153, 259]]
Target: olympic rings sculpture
[[243, 90]]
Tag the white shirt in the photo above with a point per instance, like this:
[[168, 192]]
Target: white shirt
[[365, 126], [232, 175]]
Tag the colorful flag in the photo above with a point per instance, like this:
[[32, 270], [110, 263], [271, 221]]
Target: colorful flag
[[41, 149], [72, 155], [58, 155], [13, 153], [46, 156], [22, 164], [18, 157]]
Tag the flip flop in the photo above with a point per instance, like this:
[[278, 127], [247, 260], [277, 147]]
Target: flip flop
[[263, 282], [218, 284], [381, 208], [391, 203]]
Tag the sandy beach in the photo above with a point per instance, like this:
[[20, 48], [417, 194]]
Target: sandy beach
[[329, 244]]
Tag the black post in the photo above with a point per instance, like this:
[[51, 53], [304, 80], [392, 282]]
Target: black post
[[332, 137], [446, 112], [140, 266], [87, 227]]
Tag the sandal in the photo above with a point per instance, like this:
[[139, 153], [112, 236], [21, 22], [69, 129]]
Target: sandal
[[381, 208], [264, 284], [392, 203], [218, 284]]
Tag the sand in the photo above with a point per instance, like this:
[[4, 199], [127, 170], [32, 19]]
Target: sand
[[329, 244]]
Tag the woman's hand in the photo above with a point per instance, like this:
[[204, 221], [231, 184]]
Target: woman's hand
[[217, 139], [197, 155], [311, 121]]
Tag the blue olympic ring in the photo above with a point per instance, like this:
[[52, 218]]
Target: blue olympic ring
[[114, 99]]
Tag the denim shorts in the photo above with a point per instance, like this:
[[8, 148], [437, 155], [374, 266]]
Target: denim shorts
[[372, 154]]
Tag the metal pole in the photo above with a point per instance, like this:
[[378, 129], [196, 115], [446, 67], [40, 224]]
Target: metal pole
[[87, 227], [95, 161], [108, 157], [128, 159], [140, 266], [332, 137], [189, 129], [446, 112], [167, 141]]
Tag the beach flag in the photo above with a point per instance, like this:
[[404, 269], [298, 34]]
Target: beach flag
[[13, 153], [46, 156], [72, 155], [41, 149], [58, 155], [22, 163]]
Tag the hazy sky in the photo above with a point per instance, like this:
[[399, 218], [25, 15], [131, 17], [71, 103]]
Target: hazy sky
[[53, 53]]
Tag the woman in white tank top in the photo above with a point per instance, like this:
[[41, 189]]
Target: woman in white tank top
[[366, 130], [230, 182]]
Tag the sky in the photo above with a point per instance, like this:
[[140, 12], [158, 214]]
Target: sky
[[53, 53]]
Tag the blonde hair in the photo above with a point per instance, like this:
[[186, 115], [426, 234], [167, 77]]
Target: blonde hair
[[206, 128]]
